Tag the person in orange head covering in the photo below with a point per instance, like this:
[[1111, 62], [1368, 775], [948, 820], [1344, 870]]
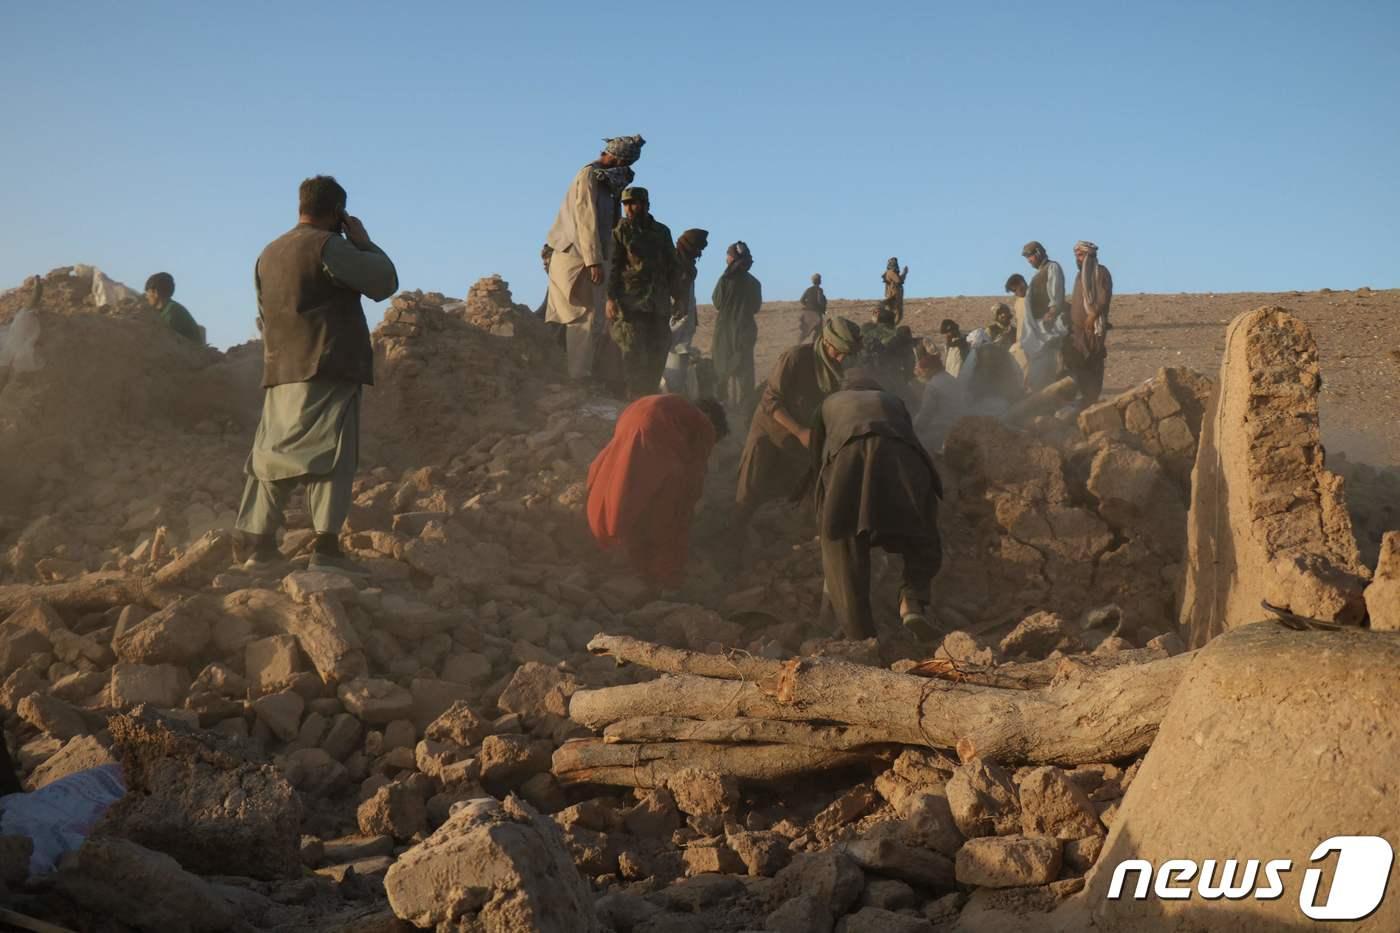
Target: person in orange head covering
[[643, 486]]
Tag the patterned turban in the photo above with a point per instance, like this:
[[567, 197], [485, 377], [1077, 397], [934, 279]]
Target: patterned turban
[[626, 149]]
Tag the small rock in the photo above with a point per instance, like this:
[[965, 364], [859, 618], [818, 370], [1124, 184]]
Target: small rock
[[920, 867], [1009, 861], [395, 810], [876, 920], [281, 712], [375, 700], [703, 793], [832, 877], [801, 914], [507, 760], [1053, 805], [983, 800]]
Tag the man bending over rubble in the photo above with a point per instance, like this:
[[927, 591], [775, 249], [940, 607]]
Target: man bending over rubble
[[316, 357], [875, 487], [643, 486]]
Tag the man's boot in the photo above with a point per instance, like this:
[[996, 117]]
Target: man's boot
[[326, 555], [256, 553]]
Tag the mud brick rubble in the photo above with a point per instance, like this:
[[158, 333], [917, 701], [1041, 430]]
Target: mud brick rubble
[[502, 730]]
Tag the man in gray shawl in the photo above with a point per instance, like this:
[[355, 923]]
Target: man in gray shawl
[[581, 244], [737, 298], [316, 358]]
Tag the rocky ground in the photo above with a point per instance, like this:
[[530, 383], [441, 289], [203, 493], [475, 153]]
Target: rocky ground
[[304, 752]]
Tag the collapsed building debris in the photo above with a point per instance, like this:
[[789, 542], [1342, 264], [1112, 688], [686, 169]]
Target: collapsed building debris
[[453, 743]]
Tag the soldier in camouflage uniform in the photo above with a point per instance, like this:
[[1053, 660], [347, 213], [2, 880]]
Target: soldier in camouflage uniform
[[639, 293]]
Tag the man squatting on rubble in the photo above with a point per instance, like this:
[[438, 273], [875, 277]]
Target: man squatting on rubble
[[641, 293], [581, 242], [316, 358], [875, 487], [644, 485]]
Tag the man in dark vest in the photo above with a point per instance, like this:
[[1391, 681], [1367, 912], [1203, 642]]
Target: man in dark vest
[[316, 357], [1045, 298], [875, 487]]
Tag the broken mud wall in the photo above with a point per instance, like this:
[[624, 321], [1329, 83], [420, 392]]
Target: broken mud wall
[[1268, 521]]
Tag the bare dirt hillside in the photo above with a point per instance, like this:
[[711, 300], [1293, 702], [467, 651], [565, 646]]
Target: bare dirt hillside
[[1358, 334]]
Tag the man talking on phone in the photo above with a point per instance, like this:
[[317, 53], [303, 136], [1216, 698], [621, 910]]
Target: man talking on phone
[[316, 358]]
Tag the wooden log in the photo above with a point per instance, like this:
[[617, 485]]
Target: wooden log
[[594, 761], [734, 665], [738, 731], [89, 593], [1054, 396], [1087, 717], [94, 592]]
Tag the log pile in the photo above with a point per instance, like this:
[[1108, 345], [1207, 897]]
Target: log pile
[[766, 721]]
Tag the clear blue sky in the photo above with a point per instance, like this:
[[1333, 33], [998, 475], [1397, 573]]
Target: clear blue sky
[[1204, 146]]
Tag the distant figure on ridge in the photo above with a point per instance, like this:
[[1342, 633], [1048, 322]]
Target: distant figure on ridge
[[690, 245], [316, 357], [894, 287], [641, 284], [160, 291], [737, 298], [1085, 352], [813, 310], [581, 240]]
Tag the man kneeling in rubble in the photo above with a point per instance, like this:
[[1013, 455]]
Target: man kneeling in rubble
[[875, 487], [644, 485], [316, 359]]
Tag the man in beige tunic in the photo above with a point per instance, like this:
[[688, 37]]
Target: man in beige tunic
[[581, 240], [316, 358]]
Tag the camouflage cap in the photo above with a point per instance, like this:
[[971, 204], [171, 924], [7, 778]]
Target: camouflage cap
[[636, 193]]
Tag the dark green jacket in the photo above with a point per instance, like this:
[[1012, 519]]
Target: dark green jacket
[[179, 319]]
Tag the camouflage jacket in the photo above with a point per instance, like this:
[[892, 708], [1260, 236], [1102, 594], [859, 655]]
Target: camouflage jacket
[[644, 265]]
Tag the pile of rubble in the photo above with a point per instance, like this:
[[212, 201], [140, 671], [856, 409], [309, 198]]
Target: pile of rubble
[[502, 729]]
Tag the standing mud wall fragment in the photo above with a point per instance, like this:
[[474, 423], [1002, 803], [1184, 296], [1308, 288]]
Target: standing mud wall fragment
[[1267, 520]]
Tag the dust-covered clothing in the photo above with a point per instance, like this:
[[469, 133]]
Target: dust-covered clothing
[[582, 237], [813, 311], [774, 461], [894, 291], [1046, 292], [309, 433], [737, 298], [178, 318], [1085, 351], [876, 487], [643, 486], [1038, 340]]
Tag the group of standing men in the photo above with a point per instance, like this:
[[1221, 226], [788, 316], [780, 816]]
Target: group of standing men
[[624, 292]]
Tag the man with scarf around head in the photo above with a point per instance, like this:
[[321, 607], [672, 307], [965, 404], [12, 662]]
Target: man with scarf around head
[[684, 319], [581, 244], [875, 487], [776, 457], [737, 299], [640, 288], [894, 287], [1084, 352]]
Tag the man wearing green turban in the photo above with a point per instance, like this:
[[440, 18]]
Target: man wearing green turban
[[776, 456]]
